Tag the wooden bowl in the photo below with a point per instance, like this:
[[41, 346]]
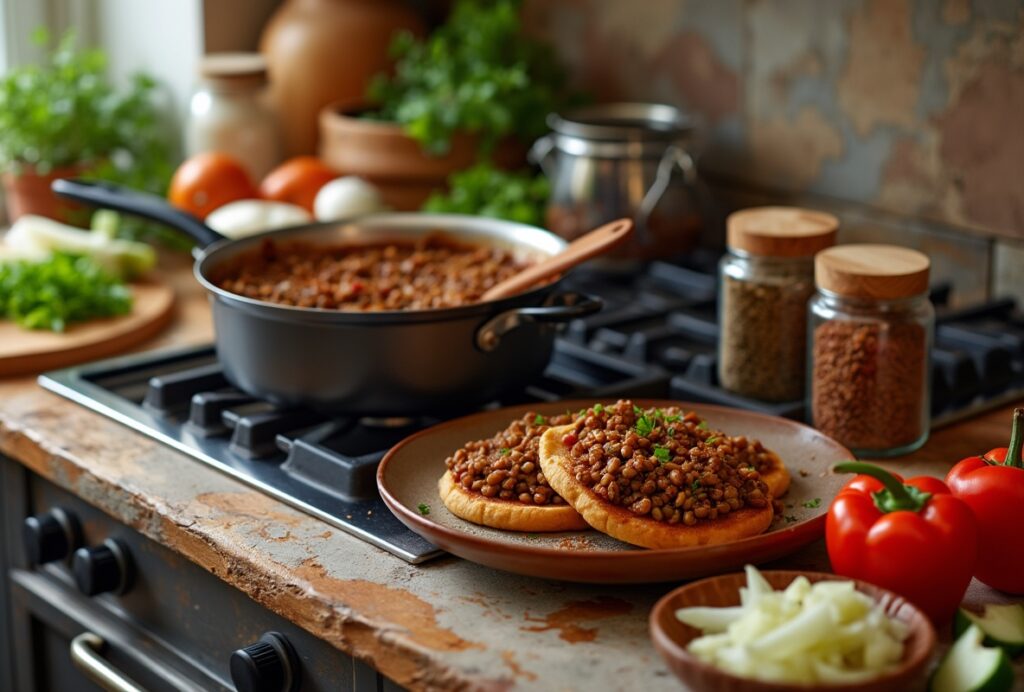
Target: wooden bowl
[[671, 636]]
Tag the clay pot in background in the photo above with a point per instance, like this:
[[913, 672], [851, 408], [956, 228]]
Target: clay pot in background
[[320, 51], [26, 192], [383, 154]]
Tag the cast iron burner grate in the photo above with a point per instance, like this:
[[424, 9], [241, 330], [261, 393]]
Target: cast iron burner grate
[[323, 466], [656, 338]]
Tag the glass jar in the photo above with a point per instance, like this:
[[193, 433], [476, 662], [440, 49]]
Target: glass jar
[[767, 277], [228, 113], [870, 331]]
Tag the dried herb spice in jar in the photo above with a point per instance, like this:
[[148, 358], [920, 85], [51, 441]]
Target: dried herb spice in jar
[[871, 327], [767, 277]]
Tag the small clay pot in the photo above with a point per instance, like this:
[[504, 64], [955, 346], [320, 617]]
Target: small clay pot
[[383, 154], [26, 192]]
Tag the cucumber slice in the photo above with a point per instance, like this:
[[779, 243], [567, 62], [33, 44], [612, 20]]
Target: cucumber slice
[[972, 667], [1003, 625]]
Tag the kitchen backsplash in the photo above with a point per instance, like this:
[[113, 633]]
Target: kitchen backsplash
[[905, 118]]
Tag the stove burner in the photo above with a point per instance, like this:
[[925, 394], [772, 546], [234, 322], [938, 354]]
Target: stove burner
[[657, 338]]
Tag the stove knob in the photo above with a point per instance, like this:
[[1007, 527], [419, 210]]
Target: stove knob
[[51, 536], [105, 568], [269, 665]]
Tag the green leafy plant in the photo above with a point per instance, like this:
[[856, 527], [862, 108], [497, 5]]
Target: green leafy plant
[[59, 291], [489, 191], [67, 113], [477, 73]]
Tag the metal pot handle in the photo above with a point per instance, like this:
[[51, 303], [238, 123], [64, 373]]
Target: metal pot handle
[[562, 307], [674, 158], [540, 155]]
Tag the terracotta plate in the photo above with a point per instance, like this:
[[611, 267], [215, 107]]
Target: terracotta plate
[[407, 477]]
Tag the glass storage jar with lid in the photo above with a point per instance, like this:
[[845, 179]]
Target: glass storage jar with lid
[[767, 277], [870, 329], [228, 112]]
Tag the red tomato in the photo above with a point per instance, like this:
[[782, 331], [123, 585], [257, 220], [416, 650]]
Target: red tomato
[[207, 181], [297, 181]]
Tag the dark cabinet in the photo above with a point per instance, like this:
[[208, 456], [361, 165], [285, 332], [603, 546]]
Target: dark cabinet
[[168, 625]]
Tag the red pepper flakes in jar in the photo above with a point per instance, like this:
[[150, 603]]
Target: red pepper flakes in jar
[[871, 326]]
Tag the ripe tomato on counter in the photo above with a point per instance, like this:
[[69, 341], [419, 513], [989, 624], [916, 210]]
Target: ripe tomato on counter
[[297, 181], [207, 181]]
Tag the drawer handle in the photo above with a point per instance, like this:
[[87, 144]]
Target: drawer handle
[[85, 652]]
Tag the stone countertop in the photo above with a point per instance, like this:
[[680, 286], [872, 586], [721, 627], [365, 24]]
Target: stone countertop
[[447, 624]]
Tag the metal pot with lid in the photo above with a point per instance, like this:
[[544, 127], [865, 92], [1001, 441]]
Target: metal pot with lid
[[623, 159]]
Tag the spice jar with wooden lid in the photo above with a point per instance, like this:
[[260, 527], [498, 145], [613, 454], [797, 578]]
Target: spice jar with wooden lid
[[767, 277], [870, 329], [228, 112]]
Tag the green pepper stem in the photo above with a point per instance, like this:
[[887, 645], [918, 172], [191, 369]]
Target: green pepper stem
[[896, 496], [1013, 452]]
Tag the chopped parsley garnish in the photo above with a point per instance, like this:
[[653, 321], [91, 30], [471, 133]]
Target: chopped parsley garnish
[[504, 451], [703, 425], [424, 508], [789, 518], [540, 420], [711, 440], [671, 419], [662, 454], [671, 432], [581, 412], [695, 486], [598, 409], [813, 504], [644, 426]]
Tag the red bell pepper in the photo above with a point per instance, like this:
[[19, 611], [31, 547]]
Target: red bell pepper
[[993, 486], [912, 537]]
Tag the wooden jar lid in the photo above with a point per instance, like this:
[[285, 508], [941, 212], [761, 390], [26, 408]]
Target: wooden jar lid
[[234, 67], [883, 272], [781, 231]]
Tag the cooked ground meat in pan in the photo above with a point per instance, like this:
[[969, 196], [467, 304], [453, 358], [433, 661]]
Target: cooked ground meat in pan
[[431, 273]]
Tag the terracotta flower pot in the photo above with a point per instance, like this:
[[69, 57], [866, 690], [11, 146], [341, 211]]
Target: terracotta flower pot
[[26, 192], [383, 154]]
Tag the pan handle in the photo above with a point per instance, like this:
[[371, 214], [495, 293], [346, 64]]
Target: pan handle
[[143, 204], [562, 307]]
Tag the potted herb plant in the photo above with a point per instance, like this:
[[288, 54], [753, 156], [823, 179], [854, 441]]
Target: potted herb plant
[[65, 118], [475, 89]]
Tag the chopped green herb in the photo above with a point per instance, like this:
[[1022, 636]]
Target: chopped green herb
[[581, 412], [540, 420], [644, 426], [789, 518], [598, 409], [59, 291], [662, 454], [423, 508], [671, 432], [695, 486], [703, 425], [813, 504], [711, 440], [673, 419], [504, 451]]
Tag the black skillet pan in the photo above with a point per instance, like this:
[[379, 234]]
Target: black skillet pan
[[370, 363]]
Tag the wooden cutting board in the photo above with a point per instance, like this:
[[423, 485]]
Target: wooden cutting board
[[24, 351]]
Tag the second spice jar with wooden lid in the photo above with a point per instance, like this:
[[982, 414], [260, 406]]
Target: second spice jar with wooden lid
[[767, 277], [870, 331]]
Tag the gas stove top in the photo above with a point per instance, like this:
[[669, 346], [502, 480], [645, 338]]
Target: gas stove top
[[656, 338]]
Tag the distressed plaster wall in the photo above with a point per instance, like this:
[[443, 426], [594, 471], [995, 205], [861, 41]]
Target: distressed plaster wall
[[907, 116]]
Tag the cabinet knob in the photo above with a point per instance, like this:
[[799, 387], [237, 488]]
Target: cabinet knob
[[269, 665], [105, 568], [51, 536]]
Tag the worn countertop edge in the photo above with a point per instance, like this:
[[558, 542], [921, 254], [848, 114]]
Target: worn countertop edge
[[381, 646]]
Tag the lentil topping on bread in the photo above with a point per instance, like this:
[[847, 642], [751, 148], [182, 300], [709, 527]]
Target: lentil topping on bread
[[498, 482], [658, 478]]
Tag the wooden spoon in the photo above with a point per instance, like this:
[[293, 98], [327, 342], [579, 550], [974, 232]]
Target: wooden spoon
[[597, 242]]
